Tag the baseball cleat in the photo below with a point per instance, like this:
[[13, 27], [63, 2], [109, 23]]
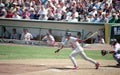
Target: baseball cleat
[[118, 65], [97, 65], [75, 67]]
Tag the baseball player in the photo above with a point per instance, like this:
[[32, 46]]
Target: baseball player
[[116, 50], [49, 39], [26, 36], [77, 49]]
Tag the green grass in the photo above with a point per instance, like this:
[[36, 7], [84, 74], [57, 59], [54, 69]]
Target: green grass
[[40, 52]]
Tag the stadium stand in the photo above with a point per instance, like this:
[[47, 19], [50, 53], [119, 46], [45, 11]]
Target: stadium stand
[[95, 11]]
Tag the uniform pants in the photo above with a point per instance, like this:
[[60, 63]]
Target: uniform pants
[[82, 54], [115, 56]]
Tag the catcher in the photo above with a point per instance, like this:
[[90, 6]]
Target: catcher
[[116, 50]]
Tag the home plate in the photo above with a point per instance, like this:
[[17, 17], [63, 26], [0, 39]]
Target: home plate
[[55, 70], [70, 67]]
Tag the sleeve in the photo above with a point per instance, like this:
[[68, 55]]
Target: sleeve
[[74, 39], [64, 42], [79, 40], [116, 48]]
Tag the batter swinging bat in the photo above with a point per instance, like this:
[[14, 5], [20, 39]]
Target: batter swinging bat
[[95, 33]]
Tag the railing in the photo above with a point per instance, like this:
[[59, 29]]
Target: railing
[[37, 27]]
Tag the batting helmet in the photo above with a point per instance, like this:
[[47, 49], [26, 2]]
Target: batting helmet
[[68, 34]]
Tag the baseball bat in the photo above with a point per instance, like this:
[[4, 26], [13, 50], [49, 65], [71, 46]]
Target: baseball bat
[[95, 33]]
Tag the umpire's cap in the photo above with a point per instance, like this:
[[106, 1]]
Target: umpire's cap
[[113, 40], [68, 33]]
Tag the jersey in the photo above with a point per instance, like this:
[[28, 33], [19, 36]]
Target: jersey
[[116, 54], [72, 41], [27, 36], [116, 47], [14, 36]]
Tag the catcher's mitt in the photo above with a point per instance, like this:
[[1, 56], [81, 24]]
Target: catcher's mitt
[[104, 52]]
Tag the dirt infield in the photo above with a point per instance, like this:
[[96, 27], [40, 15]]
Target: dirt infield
[[56, 67]]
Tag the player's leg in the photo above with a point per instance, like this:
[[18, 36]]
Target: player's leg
[[116, 56], [83, 55], [72, 57], [118, 60]]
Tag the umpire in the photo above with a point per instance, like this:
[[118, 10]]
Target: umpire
[[116, 50]]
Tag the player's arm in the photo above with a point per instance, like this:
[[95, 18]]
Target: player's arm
[[44, 38], [79, 40], [59, 48], [111, 52]]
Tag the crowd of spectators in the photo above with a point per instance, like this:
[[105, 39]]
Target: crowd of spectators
[[95, 11]]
